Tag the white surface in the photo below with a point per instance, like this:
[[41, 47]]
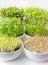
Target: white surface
[[23, 60], [24, 3]]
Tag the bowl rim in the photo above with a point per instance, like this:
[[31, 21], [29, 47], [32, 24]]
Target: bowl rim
[[11, 51], [30, 51], [33, 52]]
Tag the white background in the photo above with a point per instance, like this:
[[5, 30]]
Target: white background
[[23, 60], [24, 3]]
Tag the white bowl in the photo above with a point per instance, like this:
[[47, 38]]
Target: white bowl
[[24, 37], [10, 55], [27, 36], [36, 56]]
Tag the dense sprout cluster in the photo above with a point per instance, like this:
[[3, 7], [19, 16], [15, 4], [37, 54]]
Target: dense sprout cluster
[[35, 14], [9, 44], [35, 19], [11, 27], [12, 12], [40, 28]]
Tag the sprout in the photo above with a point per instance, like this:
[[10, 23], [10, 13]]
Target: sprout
[[11, 27], [15, 21], [38, 28], [12, 12], [30, 28], [35, 14], [8, 44]]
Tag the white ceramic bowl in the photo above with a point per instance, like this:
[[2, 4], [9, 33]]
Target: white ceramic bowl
[[24, 37], [36, 56], [10, 55]]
